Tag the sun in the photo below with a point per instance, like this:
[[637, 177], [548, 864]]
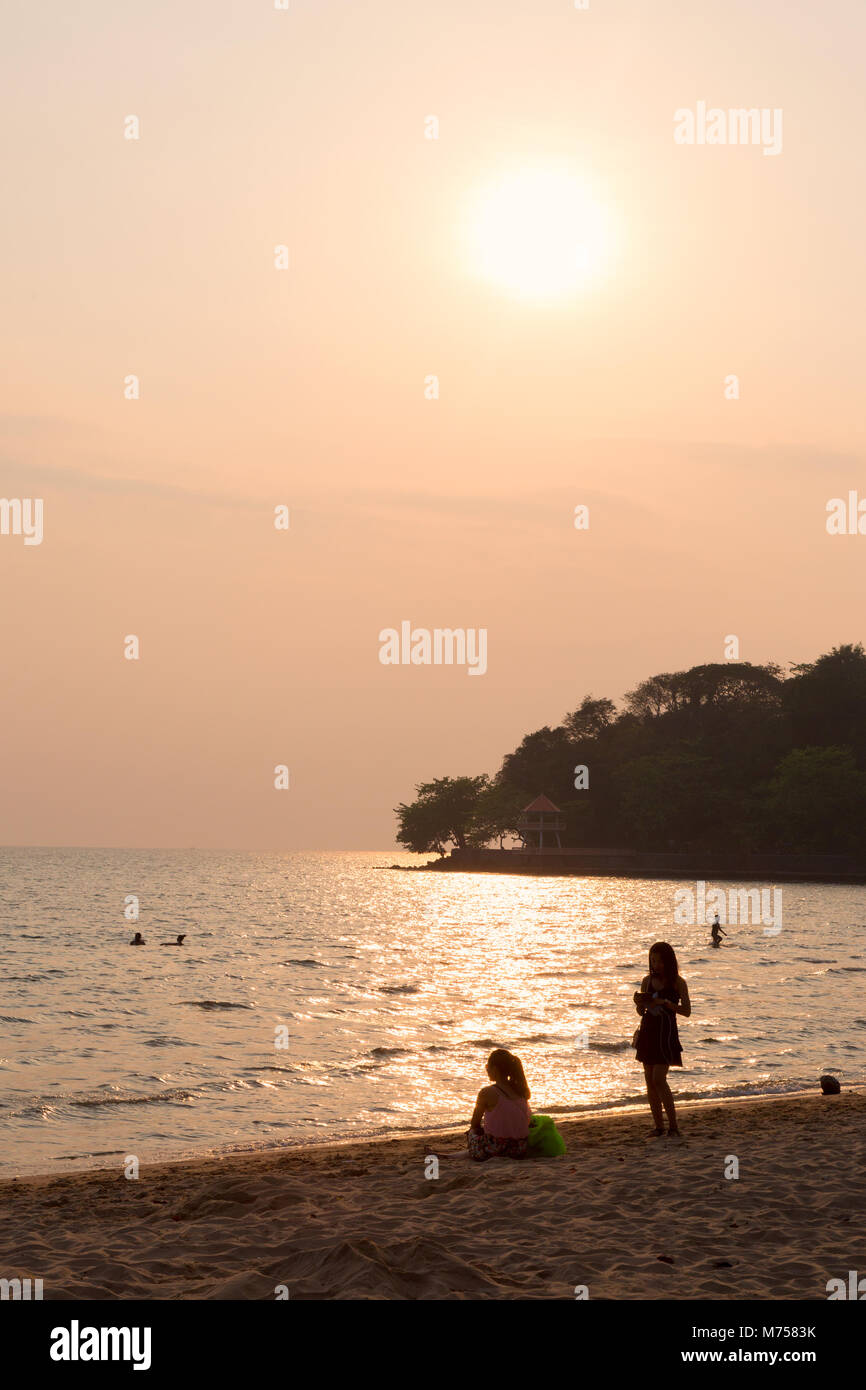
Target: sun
[[539, 234]]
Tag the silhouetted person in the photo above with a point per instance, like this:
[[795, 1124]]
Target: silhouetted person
[[716, 931], [179, 941], [663, 994], [138, 940], [499, 1127]]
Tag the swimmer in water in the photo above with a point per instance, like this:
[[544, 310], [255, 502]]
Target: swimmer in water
[[179, 941], [138, 940], [716, 931]]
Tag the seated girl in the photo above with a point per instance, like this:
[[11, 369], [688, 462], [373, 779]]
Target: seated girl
[[500, 1123]]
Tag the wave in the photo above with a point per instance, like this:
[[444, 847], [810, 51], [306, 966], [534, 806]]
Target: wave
[[11, 1018], [32, 979], [738, 1091], [172, 1095], [547, 1038], [617, 1045], [400, 989], [92, 1153], [212, 1004], [43, 1107], [528, 1041]]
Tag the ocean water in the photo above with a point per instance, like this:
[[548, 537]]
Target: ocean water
[[388, 989]]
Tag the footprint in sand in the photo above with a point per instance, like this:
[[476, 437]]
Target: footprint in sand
[[446, 1185]]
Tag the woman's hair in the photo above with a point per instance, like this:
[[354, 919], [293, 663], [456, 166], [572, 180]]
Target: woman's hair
[[510, 1068], [669, 960]]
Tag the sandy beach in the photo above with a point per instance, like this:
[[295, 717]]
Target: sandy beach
[[362, 1221]]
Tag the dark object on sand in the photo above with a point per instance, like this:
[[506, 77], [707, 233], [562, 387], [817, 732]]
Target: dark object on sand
[[830, 1086]]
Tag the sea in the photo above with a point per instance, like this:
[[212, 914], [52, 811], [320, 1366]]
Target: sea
[[320, 997]]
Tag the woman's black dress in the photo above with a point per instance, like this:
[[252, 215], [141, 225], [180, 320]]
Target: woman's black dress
[[658, 1040]]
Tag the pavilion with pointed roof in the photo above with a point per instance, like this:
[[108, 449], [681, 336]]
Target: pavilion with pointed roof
[[538, 820]]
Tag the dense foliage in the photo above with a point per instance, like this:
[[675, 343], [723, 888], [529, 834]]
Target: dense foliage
[[725, 756]]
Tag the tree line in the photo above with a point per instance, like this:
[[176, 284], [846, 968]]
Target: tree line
[[723, 757]]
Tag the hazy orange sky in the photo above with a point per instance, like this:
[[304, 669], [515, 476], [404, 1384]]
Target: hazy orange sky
[[155, 257]]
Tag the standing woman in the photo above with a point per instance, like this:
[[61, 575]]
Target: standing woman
[[662, 995]]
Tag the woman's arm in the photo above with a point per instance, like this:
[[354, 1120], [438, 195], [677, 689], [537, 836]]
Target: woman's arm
[[684, 1007], [639, 1005], [478, 1113]]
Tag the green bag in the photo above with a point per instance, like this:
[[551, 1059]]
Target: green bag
[[544, 1138]]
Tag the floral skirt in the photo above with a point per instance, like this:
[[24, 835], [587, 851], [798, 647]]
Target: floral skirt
[[482, 1146]]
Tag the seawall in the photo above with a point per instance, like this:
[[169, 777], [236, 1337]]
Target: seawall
[[694, 865]]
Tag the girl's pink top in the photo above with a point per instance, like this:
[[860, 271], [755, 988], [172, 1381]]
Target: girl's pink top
[[509, 1119]]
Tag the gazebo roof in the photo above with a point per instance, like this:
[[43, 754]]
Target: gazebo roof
[[541, 803]]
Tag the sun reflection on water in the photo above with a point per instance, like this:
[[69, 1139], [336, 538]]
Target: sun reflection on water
[[393, 987]]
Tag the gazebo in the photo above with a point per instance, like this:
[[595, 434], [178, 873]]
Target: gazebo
[[539, 819]]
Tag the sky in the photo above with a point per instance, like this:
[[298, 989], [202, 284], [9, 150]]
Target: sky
[[409, 258]]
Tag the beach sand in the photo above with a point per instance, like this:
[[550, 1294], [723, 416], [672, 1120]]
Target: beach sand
[[362, 1221]]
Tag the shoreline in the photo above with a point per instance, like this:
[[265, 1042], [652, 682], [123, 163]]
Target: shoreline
[[358, 1218], [855, 880], [690, 866], [431, 1131]]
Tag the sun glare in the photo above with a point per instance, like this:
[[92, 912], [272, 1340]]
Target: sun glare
[[538, 234]]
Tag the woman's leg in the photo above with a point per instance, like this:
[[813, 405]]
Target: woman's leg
[[652, 1093], [663, 1091], [477, 1146]]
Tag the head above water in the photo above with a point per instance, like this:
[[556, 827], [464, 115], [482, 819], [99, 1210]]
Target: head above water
[[503, 1066], [137, 940], [663, 961]]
